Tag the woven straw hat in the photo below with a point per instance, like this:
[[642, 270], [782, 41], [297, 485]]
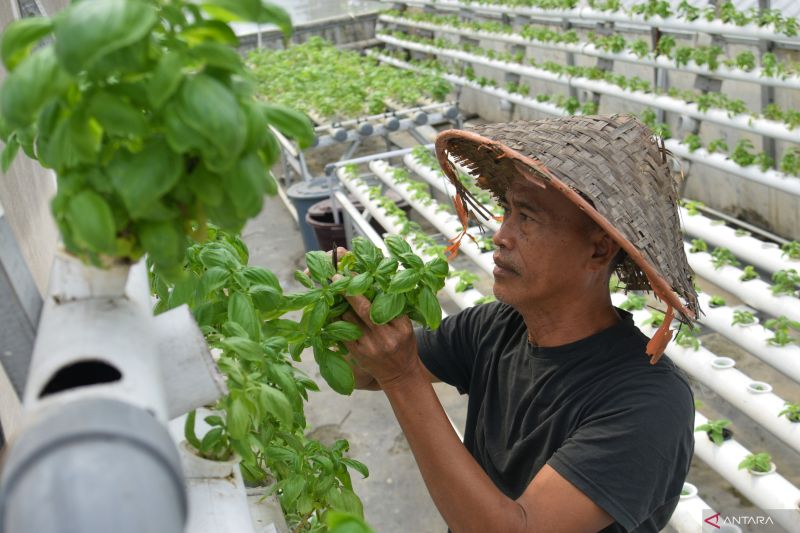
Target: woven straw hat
[[612, 168]]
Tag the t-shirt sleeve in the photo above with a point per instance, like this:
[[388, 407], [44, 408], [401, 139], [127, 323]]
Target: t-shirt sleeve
[[632, 456], [449, 352]]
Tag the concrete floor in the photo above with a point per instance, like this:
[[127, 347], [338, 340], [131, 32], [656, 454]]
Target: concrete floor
[[394, 496]]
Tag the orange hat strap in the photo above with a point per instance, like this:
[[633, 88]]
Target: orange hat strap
[[658, 343]]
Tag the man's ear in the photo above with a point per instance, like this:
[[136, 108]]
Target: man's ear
[[605, 250]]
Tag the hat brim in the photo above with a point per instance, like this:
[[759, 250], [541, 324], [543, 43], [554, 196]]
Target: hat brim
[[462, 144]]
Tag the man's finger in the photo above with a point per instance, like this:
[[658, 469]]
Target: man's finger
[[361, 306]]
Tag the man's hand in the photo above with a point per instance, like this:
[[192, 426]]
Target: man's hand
[[387, 352]]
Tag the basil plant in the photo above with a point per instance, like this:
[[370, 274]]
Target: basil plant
[[148, 116]]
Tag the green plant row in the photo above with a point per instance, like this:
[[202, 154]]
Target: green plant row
[[115, 96], [708, 56], [726, 12], [335, 84], [704, 101], [744, 154]]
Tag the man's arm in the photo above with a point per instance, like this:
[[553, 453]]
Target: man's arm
[[465, 496]]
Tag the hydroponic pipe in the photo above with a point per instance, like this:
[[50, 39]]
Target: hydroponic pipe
[[753, 338], [730, 383], [389, 114], [755, 293], [715, 27], [753, 251], [688, 515], [377, 130], [447, 224], [769, 128], [770, 491], [589, 49], [442, 184]]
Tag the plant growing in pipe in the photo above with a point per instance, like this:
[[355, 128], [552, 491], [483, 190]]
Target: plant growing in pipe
[[717, 430], [117, 105], [721, 257], [791, 250], [698, 245], [785, 282], [634, 302], [749, 273], [743, 318], [687, 337], [757, 463], [716, 301], [791, 411], [780, 326]]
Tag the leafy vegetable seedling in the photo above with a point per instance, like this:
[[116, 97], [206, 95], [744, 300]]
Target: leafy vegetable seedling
[[716, 430], [757, 462]]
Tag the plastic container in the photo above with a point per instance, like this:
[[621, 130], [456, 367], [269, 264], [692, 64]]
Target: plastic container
[[303, 195]]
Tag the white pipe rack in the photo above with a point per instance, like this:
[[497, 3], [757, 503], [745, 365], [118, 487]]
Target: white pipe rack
[[730, 383], [764, 255], [438, 180], [761, 126], [770, 177], [448, 225], [771, 491], [755, 293], [589, 49], [753, 338], [587, 14]]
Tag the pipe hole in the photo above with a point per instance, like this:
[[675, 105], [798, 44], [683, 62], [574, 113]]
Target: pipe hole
[[81, 374]]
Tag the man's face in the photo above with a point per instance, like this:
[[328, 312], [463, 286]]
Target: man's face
[[545, 247]]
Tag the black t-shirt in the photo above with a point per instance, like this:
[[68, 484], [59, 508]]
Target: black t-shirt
[[596, 410]]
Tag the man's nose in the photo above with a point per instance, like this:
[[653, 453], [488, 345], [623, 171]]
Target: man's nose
[[503, 237]]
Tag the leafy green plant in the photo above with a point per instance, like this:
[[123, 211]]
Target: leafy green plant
[[746, 60], [716, 301], [716, 430], [717, 145], [741, 154], [113, 96], [721, 257], [640, 48], [665, 45], [655, 319], [790, 162], [692, 142], [743, 317], [634, 302], [791, 411], [698, 245], [466, 280], [687, 337], [757, 462], [749, 273], [692, 207], [785, 282], [791, 250]]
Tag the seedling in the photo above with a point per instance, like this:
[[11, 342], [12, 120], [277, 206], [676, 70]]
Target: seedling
[[721, 257], [743, 318], [716, 301], [757, 462], [466, 280], [687, 337], [716, 430], [698, 245], [692, 207], [741, 153], [692, 142], [790, 162], [749, 273], [780, 326], [742, 232], [791, 250], [655, 320], [634, 302], [785, 282], [717, 145], [791, 411]]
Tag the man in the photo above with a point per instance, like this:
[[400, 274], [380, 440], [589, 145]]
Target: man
[[573, 423]]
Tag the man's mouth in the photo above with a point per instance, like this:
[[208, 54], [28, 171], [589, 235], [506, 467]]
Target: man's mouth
[[502, 267]]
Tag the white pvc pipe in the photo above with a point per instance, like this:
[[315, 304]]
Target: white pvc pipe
[[755, 293], [771, 491], [589, 49], [730, 383], [743, 122], [688, 515], [714, 27], [770, 177], [753, 338], [438, 180], [447, 224], [764, 255]]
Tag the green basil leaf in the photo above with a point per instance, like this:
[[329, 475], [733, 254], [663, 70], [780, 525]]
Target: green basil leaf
[[261, 276], [314, 318], [358, 466], [9, 153], [275, 403], [217, 55], [256, 126], [438, 267], [213, 279], [429, 307], [117, 116], [165, 242], [320, 265], [337, 373], [245, 185], [211, 439], [238, 418], [266, 298], [412, 261], [241, 311], [209, 30], [218, 257], [397, 246], [341, 522], [244, 348], [386, 307], [87, 31], [206, 185], [92, 222], [75, 140], [166, 78], [182, 292], [339, 286], [387, 266], [281, 327], [291, 489], [302, 299], [343, 331], [210, 313], [303, 279], [359, 284], [291, 123], [143, 177], [404, 281], [249, 11], [28, 88], [20, 36]]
